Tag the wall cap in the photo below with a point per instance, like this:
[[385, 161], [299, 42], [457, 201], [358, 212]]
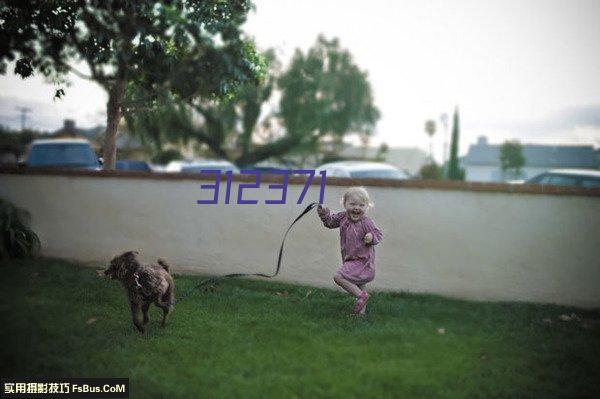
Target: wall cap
[[331, 181]]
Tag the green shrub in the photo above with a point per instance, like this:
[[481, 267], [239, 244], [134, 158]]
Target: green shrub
[[17, 239], [431, 171]]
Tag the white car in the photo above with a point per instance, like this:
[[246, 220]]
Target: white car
[[198, 166], [568, 177], [360, 169]]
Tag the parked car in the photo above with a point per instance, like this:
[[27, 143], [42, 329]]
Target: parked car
[[209, 164], [568, 177], [360, 169], [266, 166], [175, 166], [62, 153], [138, 166]]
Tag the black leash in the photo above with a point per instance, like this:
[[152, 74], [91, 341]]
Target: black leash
[[212, 280]]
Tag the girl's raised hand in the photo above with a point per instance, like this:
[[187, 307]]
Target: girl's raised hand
[[368, 238], [322, 211]]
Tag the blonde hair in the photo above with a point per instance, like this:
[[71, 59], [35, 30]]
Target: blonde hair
[[359, 192]]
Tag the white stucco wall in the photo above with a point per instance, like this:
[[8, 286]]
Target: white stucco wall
[[477, 245]]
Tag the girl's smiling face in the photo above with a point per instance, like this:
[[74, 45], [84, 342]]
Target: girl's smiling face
[[355, 208]]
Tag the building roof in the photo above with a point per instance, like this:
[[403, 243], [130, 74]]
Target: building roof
[[550, 156], [70, 129], [96, 135]]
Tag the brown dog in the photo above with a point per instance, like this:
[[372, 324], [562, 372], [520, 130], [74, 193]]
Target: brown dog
[[144, 284]]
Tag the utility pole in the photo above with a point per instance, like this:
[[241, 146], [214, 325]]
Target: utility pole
[[444, 120], [23, 111]]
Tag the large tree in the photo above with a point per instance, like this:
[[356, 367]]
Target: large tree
[[321, 93], [123, 42], [511, 158], [325, 94]]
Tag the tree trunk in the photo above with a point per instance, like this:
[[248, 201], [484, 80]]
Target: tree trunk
[[113, 117]]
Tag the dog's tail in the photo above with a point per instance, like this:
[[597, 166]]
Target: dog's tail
[[163, 263]]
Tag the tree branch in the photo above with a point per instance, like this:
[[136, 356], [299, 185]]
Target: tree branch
[[96, 75], [77, 72], [185, 125], [276, 148], [214, 123]]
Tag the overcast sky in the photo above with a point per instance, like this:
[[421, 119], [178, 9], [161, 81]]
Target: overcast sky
[[523, 69]]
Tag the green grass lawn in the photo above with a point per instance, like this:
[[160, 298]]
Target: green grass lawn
[[251, 338]]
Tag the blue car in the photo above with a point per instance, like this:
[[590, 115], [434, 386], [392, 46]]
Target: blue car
[[62, 153], [138, 166]]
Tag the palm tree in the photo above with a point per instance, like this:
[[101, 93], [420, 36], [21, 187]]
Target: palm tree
[[430, 130]]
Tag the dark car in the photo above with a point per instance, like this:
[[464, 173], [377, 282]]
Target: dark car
[[138, 166], [567, 177], [62, 153]]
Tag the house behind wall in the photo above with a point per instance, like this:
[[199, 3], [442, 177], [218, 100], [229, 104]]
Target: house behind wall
[[482, 162]]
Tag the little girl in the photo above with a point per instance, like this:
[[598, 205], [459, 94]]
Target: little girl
[[358, 236]]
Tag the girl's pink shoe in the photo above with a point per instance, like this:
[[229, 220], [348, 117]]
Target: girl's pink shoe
[[363, 297]]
